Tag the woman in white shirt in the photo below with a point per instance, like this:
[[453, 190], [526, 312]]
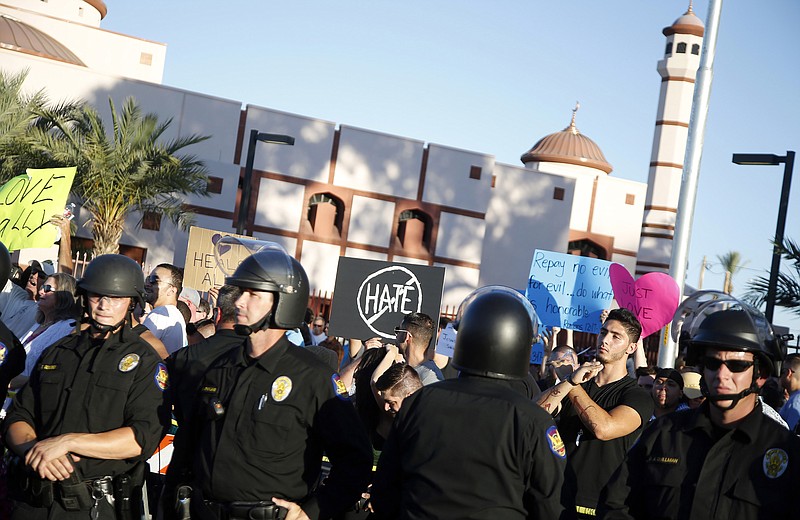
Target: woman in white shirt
[[56, 318]]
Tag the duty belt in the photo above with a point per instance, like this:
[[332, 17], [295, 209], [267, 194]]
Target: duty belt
[[263, 510]]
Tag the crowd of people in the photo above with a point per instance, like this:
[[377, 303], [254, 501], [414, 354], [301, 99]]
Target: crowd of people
[[274, 418]]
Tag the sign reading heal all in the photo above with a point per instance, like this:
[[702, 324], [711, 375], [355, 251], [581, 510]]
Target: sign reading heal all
[[569, 291], [202, 271], [371, 297], [28, 202]]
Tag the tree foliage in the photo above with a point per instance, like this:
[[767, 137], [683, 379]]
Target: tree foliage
[[732, 264], [134, 167], [787, 294]]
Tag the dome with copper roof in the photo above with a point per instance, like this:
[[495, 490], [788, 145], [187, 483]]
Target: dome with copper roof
[[21, 37], [568, 146], [688, 23]]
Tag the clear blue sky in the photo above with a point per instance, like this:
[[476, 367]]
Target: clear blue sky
[[496, 76]]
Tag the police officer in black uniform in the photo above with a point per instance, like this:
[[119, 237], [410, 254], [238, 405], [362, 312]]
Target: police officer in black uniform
[[12, 353], [267, 410], [93, 410], [475, 447], [726, 459]]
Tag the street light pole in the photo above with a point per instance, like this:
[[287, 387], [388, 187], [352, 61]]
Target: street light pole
[[244, 204], [783, 208]]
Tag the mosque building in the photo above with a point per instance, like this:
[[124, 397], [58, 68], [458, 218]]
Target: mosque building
[[342, 190]]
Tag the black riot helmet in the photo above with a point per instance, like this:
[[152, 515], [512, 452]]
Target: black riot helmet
[[726, 323], [113, 275], [270, 268], [5, 265], [496, 326]]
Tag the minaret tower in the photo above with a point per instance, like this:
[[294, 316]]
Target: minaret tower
[[678, 70]]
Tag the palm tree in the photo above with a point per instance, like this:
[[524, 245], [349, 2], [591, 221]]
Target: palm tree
[[788, 288], [732, 263], [19, 119], [133, 169]]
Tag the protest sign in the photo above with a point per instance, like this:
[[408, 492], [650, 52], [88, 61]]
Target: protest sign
[[28, 202], [371, 297], [447, 341], [201, 270], [569, 291], [653, 298], [537, 353]]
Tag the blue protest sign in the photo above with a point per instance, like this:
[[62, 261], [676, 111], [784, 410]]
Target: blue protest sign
[[537, 353], [569, 291]]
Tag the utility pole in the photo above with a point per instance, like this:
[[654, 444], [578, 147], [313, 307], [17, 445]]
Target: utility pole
[[702, 274]]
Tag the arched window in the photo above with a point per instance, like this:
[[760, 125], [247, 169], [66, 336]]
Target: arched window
[[325, 214], [414, 230], [681, 48], [696, 49], [669, 49]]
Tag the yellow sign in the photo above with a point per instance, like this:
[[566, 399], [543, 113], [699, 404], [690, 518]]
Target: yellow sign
[[27, 202], [201, 270]]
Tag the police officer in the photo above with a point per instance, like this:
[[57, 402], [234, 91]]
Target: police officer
[[267, 410], [93, 410], [476, 447], [725, 459], [12, 353]]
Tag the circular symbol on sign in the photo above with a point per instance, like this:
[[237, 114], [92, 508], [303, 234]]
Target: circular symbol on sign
[[386, 295]]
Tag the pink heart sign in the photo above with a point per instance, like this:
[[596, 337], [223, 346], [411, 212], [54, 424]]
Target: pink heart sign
[[653, 298]]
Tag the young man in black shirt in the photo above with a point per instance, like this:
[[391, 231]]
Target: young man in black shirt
[[603, 413]]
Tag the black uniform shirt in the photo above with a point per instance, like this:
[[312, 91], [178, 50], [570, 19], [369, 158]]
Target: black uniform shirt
[[78, 387], [280, 412], [12, 359], [187, 366], [678, 470], [591, 461], [470, 448]]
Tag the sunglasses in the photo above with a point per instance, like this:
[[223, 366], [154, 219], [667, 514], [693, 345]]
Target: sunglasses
[[734, 365], [153, 279], [401, 334], [48, 288]]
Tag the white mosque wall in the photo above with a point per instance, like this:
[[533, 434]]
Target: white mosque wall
[[309, 157], [371, 222], [460, 237], [102, 51], [459, 281], [320, 262], [614, 216], [378, 163], [448, 181], [366, 254], [191, 112], [72, 10], [523, 216]]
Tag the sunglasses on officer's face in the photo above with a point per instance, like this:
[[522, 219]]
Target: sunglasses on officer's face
[[734, 365]]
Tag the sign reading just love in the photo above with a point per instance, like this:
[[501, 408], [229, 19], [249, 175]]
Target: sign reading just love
[[653, 298]]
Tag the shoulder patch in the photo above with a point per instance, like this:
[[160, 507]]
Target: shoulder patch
[[775, 462], [48, 367], [128, 362], [3, 352], [281, 388], [339, 389], [556, 444], [162, 377]]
